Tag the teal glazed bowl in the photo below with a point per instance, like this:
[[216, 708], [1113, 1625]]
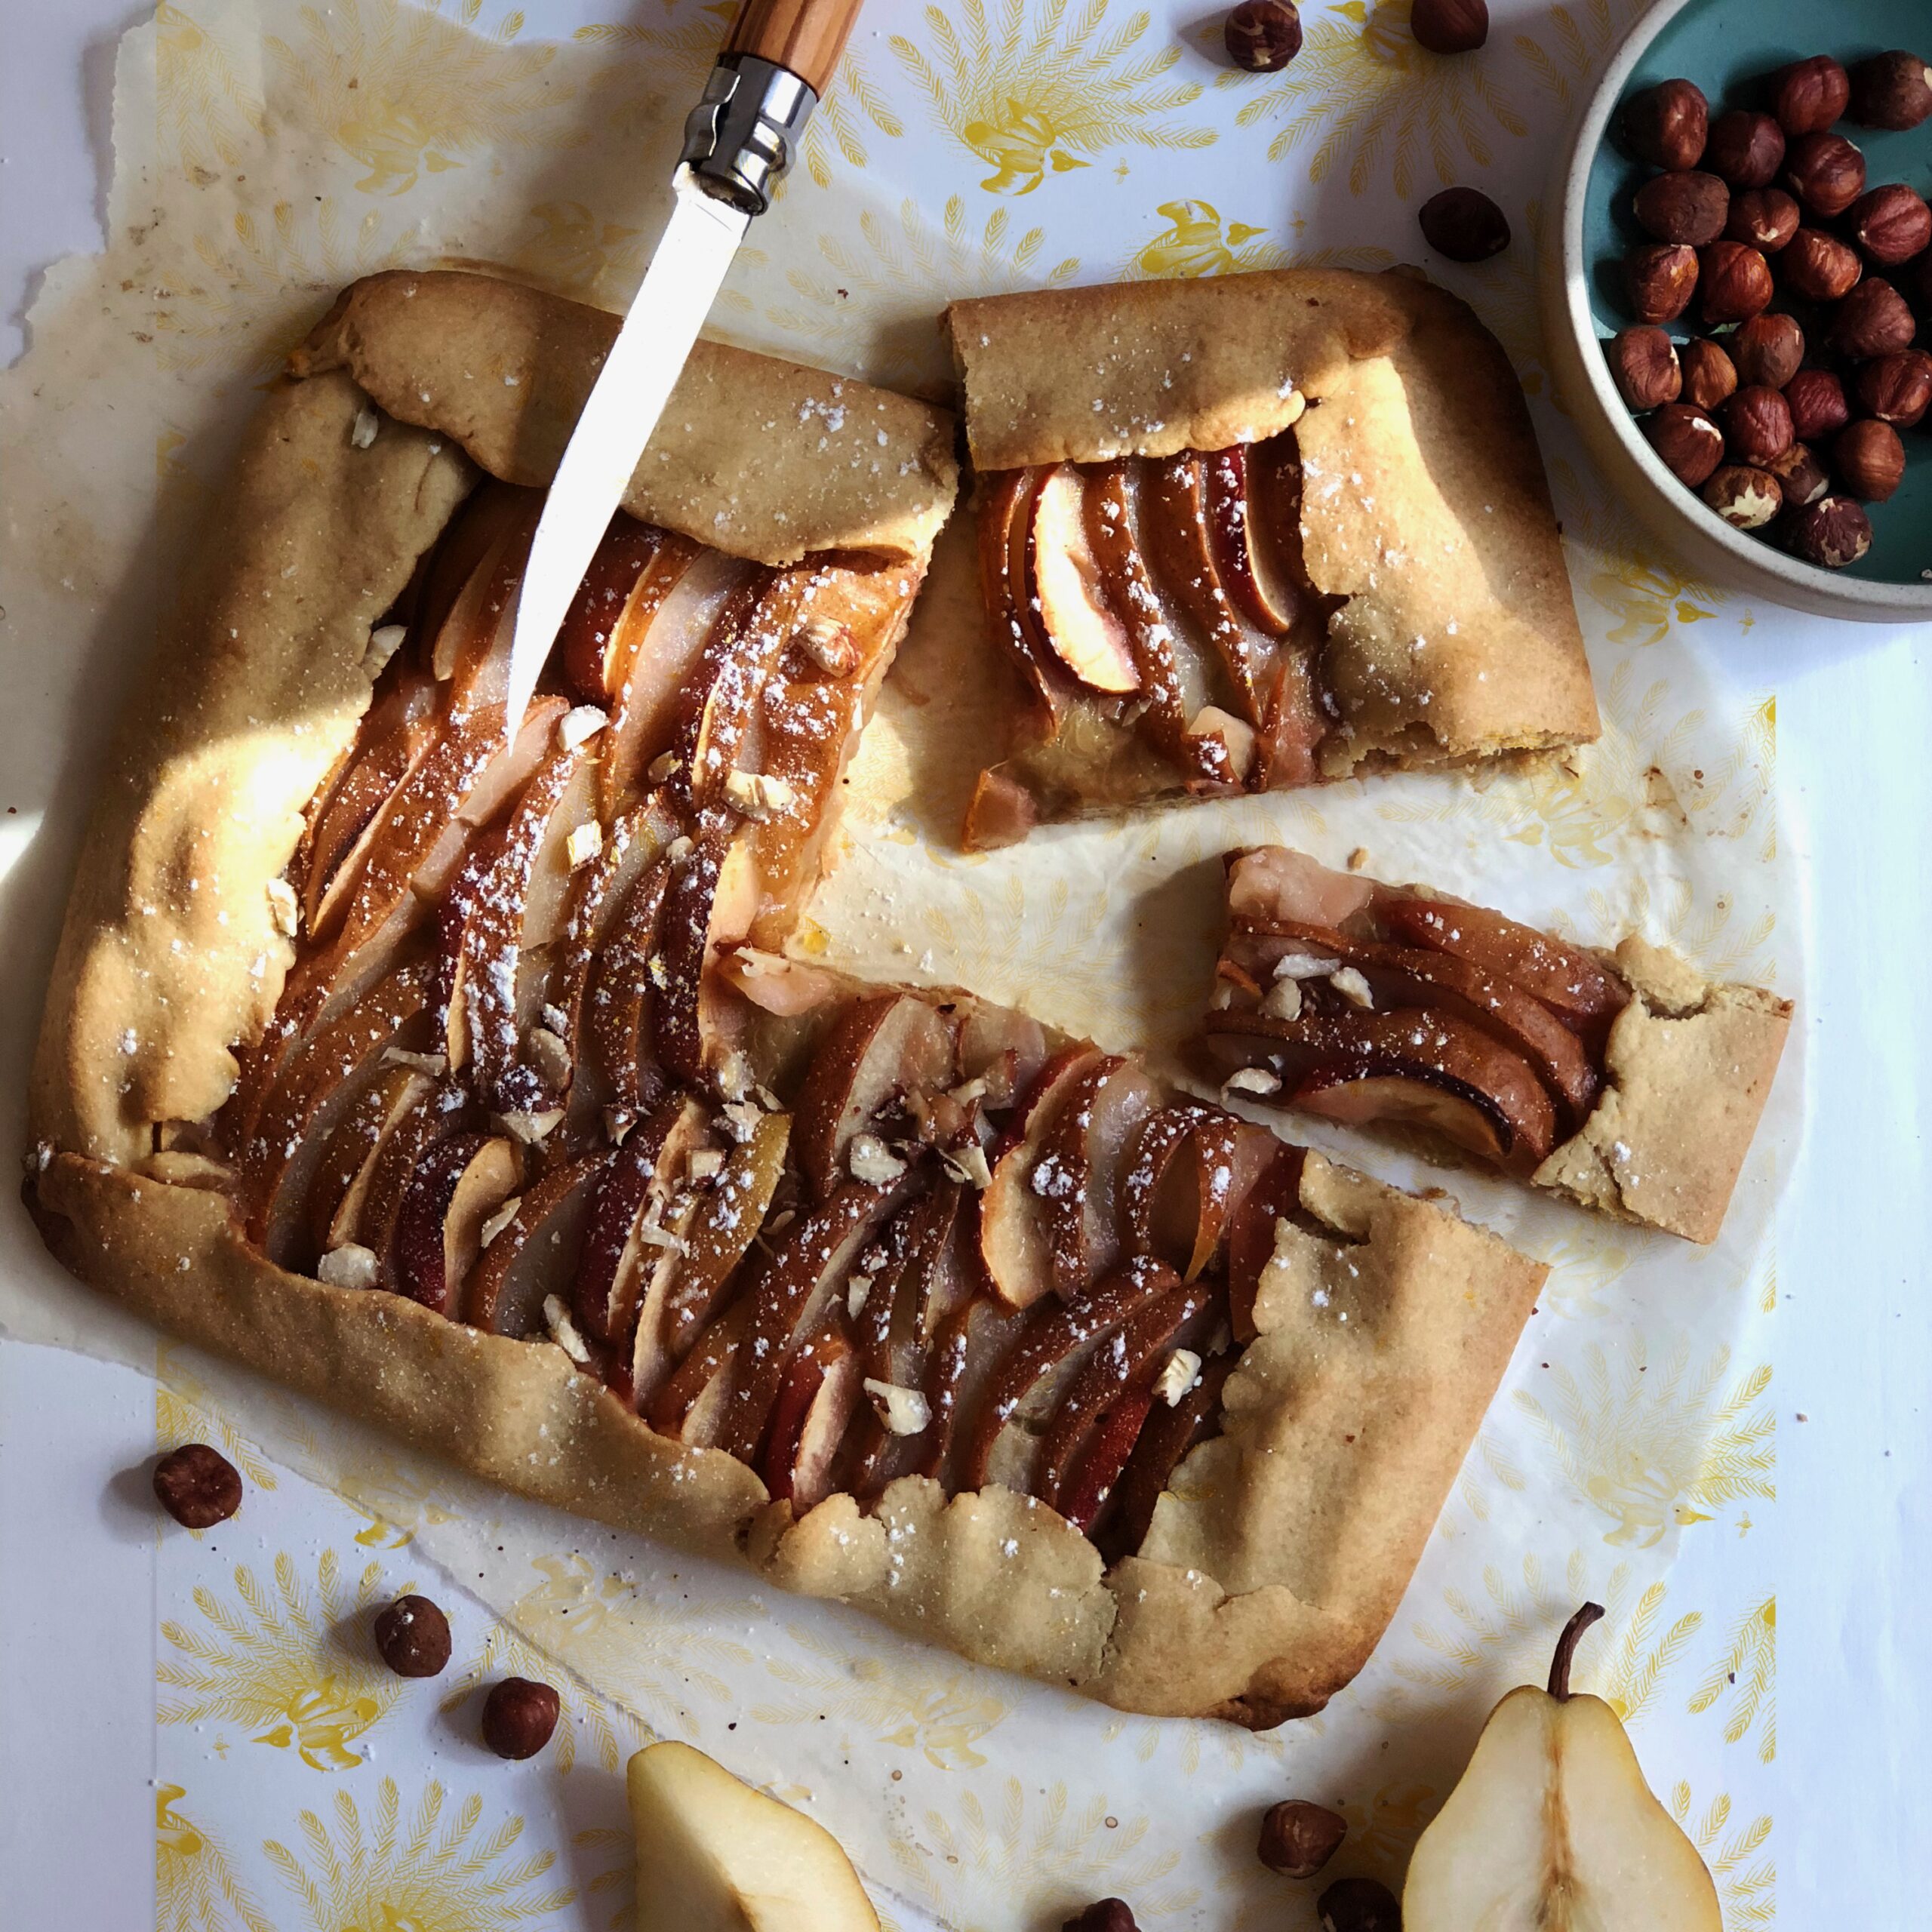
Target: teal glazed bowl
[[1726, 47]]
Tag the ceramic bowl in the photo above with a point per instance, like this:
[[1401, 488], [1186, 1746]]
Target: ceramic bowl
[[1724, 46]]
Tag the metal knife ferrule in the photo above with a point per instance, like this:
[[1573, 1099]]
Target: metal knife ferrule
[[742, 136]]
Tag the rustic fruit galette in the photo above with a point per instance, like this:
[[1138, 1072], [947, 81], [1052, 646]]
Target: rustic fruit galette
[[1624, 1081], [450, 1068], [1257, 531]]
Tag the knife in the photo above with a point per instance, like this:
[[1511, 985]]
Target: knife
[[778, 60]]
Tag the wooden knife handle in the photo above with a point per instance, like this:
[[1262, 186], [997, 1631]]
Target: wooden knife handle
[[805, 36]]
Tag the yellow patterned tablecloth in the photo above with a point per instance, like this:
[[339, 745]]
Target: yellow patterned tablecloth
[[268, 151]]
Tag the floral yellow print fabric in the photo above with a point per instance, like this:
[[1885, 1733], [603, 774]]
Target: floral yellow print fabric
[[1632, 1454]]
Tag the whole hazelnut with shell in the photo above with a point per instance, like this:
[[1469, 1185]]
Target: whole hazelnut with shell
[[1644, 365], [1358, 1905], [1691, 206], [1819, 266], [1765, 218], [1450, 26], [1809, 95], [518, 1716], [1891, 91], [1746, 498], [1662, 277], [1869, 459], [1298, 1837], [1768, 349], [1464, 224], [1667, 125], [1103, 1915], [1734, 283], [1263, 36], [1872, 320], [1892, 224], [1800, 476], [1825, 172], [197, 1486], [1831, 533], [1897, 388], [1757, 425], [412, 1637], [1746, 149], [1816, 400], [1710, 374], [1690, 444]]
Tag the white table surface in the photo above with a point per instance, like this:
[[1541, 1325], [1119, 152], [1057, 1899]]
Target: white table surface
[[1853, 1523]]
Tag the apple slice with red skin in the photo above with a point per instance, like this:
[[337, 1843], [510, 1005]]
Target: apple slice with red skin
[[1165, 1439], [1581, 991], [1109, 1449], [341, 1185], [1083, 1156], [460, 1183], [815, 1404], [882, 1051], [1005, 532], [710, 902], [1275, 1198], [1272, 882], [535, 1253], [1248, 570], [593, 643], [1076, 619], [1016, 1241], [805, 1270]]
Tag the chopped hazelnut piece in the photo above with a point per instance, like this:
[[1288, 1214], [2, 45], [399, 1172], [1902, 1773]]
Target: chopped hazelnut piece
[[351, 1266], [904, 1411]]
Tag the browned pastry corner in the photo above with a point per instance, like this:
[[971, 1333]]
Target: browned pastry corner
[[1257, 532], [449, 1070]]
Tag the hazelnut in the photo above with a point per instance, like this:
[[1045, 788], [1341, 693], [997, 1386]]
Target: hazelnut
[[1832, 532], [197, 1486], [1891, 90], [1872, 320], [1667, 124], [1825, 172], [1809, 95], [1819, 266], [1298, 1838], [1747, 149], [1869, 459], [1358, 1905], [1735, 282], [1800, 476], [412, 1637], [1662, 277], [1690, 444], [1757, 424], [1450, 26], [1816, 399], [1767, 349], [1262, 35], [1767, 218], [1691, 206], [1710, 374], [1103, 1915], [518, 1716], [1891, 224], [1897, 388], [1643, 363], [1464, 224], [1746, 498]]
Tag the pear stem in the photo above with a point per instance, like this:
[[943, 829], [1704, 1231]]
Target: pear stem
[[1566, 1649]]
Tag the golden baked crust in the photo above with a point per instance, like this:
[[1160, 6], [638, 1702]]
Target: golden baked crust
[[765, 458], [1424, 504]]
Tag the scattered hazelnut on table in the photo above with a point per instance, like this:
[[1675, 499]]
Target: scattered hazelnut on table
[[518, 1716], [1816, 398], [1733, 282], [1690, 444], [1298, 1838], [1359, 1904], [1832, 532], [1891, 90], [1691, 207], [1825, 172], [412, 1637], [1757, 425], [1710, 374], [1891, 224], [1745, 497], [1464, 224], [1103, 1915], [1768, 349], [1746, 149], [1262, 35], [1766, 218], [1872, 320], [1897, 388], [1450, 26], [1662, 277], [1869, 459], [1809, 95], [1667, 125], [197, 1486], [1819, 266], [1800, 475], [1643, 365]]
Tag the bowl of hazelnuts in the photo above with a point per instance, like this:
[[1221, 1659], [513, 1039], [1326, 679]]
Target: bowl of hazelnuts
[[1738, 294]]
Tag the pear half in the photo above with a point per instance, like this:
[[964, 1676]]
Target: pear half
[[1553, 1829], [715, 1856]]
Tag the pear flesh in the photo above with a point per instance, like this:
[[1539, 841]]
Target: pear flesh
[[713, 1855]]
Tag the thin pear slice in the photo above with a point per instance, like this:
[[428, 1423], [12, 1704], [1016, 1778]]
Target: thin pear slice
[[535, 1253], [1553, 1828], [715, 1855], [1165, 1437], [1078, 1176], [1015, 1241], [1064, 592], [594, 643], [458, 1186], [1006, 523]]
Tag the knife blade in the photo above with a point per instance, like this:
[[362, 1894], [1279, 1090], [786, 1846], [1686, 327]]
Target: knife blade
[[779, 58]]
